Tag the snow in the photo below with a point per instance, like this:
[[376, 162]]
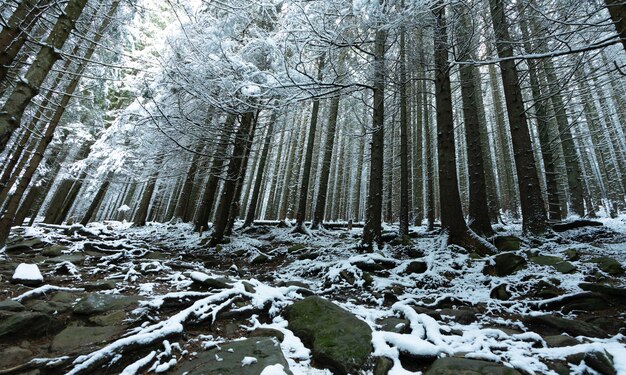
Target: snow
[[27, 272], [276, 369], [247, 361]]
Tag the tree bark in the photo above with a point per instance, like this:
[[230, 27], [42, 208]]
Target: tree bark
[[405, 189], [141, 215], [97, 199], [617, 10], [28, 86], [533, 209], [184, 198]]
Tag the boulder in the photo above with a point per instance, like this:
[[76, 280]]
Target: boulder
[[11, 305], [500, 292], [205, 280], [27, 274], [244, 357], [598, 360], [338, 340], [13, 356], [618, 294], [507, 243], [463, 366], [260, 259], [572, 327], [99, 285], [463, 316], [555, 262], [27, 324], [102, 303], [78, 339], [113, 318], [53, 251], [416, 267], [505, 264], [559, 341], [394, 325], [609, 265], [24, 246]]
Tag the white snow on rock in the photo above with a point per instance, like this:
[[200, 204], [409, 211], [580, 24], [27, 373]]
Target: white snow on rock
[[276, 369], [123, 208], [27, 273], [247, 361]]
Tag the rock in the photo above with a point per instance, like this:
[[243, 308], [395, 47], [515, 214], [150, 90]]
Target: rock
[[559, 341], [618, 294], [507, 243], [27, 274], [205, 280], [260, 259], [382, 366], [500, 292], [505, 264], [65, 297], [544, 289], [79, 339], [556, 262], [74, 258], [95, 286], [562, 227], [48, 307], [609, 265], [27, 324], [338, 340], [265, 350], [10, 305], [416, 267], [54, 251], [599, 361], [394, 325], [572, 327], [585, 301], [24, 246], [572, 254], [458, 366], [101, 303], [268, 332], [295, 248], [110, 319], [14, 356], [462, 316]]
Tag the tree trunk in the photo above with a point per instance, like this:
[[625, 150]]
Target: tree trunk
[[533, 209], [27, 87], [217, 166], [141, 215], [373, 214], [183, 204], [617, 10], [97, 199], [243, 139], [254, 200]]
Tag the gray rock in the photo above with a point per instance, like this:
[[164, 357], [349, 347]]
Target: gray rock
[[99, 285], [109, 319], [266, 351], [462, 316], [10, 305], [14, 356], [416, 267], [79, 339], [101, 303], [614, 292], [260, 259], [338, 340], [555, 262], [24, 246], [462, 366], [559, 341], [500, 292], [268, 332], [572, 327], [48, 307], [382, 366], [27, 324], [54, 251], [599, 361], [394, 325]]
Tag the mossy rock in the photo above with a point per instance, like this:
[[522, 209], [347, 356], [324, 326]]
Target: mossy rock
[[555, 262], [260, 259], [505, 264], [27, 324], [338, 340], [463, 366], [609, 265], [507, 243]]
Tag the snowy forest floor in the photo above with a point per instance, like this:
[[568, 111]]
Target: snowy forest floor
[[118, 299]]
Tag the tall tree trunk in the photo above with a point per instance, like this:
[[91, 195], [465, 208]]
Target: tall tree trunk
[[96, 201], [27, 87], [217, 167], [373, 214], [478, 208], [243, 140], [183, 204], [141, 215], [322, 192], [405, 115], [533, 209], [254, 200], [452, 220], [306, 173]]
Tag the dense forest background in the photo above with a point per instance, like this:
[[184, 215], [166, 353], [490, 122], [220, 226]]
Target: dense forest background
[[458, 112]]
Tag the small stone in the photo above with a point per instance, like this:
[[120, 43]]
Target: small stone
[[500, 292], [416, 267], [295, 248], [260, 259], [394, 325], [53, 251], [506, 264], [572, 254], [383, 366], [99, 285], [461, 316]]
